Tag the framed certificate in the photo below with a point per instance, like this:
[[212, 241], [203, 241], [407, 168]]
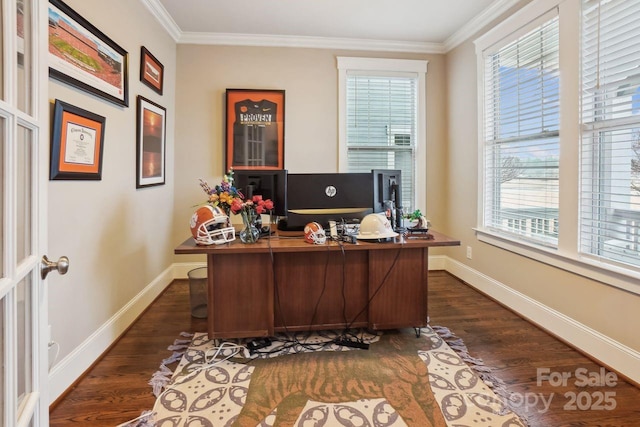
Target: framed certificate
[[77, 141]]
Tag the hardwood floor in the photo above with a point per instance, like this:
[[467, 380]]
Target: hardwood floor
[[516, 349], [116, 388]]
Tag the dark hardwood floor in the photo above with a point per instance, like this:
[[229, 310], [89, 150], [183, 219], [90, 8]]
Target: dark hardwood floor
[[116, 388], [516, 349]]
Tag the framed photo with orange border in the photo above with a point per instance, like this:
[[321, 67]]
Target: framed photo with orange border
[[254, 129], [77, 142], [151, 70]]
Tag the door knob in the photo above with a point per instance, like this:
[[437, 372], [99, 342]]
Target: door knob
[[62, 266]]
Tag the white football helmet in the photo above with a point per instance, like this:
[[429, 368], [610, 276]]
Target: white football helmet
[[314, 233], [376, 227], [210, 226]]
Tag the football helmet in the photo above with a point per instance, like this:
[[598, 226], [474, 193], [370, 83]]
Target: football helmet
[[376, 227], [210, 226], [314, 233]]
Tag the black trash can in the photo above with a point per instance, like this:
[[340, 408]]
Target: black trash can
[[198, 292]]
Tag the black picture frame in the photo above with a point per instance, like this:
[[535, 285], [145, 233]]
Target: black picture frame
[[82, 56], [77, 143], [151, 125], [151, 71]]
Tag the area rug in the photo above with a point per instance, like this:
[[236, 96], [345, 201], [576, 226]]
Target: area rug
[[404, 378]]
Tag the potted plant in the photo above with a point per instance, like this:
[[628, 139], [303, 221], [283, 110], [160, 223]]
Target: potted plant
[[421, 222]]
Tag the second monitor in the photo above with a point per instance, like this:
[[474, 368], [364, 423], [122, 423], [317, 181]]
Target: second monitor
[[270, 184], [387, 193]]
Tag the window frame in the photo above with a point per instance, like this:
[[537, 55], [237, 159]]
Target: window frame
[[387, 67], [567, 255], [494, 142], [608, 221]]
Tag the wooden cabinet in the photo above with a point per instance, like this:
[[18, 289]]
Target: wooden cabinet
[[283, 284]]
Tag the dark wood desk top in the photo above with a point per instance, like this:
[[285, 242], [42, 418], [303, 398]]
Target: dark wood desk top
[[277, 243]]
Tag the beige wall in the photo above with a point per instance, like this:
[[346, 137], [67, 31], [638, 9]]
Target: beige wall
[[310, 80], [608, 310], [114, 235]]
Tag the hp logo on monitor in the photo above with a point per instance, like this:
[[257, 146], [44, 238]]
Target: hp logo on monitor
[[330, 191]]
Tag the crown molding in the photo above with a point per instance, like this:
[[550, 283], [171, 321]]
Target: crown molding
[[494, 11], [160, 13], [165, 19], [263, 40]]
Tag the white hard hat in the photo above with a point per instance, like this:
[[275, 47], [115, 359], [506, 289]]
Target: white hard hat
[[375, 226]]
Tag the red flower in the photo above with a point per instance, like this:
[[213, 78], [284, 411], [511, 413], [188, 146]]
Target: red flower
[[236, 206]]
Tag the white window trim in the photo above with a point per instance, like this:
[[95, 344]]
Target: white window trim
[[566, 256], [411, 67]]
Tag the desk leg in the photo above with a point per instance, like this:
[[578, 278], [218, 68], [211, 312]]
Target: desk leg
[[211, 300], [398, 290]]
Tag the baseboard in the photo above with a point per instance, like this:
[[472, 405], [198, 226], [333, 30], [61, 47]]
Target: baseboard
[[180, 270], [437, 262], [68, 370], [594, 344]]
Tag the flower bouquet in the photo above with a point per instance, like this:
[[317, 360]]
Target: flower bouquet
[[250, 210], [224, 194]]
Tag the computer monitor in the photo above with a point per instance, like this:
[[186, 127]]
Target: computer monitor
[[324, 197], [270, 184], [387, 186]]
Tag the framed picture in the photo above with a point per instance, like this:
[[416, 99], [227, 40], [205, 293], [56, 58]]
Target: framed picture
[[77, 142], [82, 56], [254, 129], [151, 140], [151, 70]]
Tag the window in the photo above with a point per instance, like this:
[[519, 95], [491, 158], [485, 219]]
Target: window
[[521, 133], [610, 151], [381, 120], [579, 211]]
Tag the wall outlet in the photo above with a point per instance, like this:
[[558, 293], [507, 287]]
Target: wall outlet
[[469, 252]]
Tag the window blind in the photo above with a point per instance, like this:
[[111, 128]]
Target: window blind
[[381, 117], [610, 145], [521, 136]]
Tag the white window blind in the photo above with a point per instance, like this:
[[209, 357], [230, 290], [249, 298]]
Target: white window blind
[[521, 136], [381, 126], [610, 146]]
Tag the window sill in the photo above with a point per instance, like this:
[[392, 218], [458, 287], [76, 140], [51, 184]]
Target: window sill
[[617, 276]]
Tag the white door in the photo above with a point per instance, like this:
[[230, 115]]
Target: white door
[[23, 180]]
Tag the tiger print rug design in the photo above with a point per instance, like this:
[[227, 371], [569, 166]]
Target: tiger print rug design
[[402, 380]]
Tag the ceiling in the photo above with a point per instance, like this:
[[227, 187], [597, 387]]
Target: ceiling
[[409, 25]]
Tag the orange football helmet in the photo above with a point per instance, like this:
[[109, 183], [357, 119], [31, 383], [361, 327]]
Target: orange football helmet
[[314, 233], [210, 226]]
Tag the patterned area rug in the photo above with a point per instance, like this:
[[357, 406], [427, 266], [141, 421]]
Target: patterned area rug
[[401, 380]]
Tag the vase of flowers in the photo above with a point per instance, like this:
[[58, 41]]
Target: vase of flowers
[[250, 211]]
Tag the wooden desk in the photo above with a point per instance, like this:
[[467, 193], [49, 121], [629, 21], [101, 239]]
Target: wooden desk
[[284, 284]]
